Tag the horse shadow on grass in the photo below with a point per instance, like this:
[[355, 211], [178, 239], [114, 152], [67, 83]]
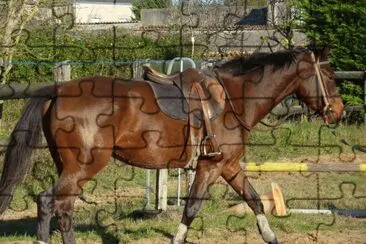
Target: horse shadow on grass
[[27, 227]]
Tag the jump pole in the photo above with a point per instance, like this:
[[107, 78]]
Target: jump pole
[[303, 167]]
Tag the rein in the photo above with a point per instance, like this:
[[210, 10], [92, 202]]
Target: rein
[[345, 142], [241, 121]]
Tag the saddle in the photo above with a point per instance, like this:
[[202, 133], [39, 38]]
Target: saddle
[[191, 92]]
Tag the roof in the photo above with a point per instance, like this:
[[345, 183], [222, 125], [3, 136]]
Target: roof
[[257, 16]]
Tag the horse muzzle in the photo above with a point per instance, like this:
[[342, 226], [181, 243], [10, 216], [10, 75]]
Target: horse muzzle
[[333, 114]]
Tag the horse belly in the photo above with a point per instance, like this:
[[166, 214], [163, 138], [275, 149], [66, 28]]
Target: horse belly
[[153, 148], [148, 138]]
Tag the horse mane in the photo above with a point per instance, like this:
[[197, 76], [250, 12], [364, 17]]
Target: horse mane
[[278, 60]]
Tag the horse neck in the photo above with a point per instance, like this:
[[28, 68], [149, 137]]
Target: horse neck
[[259, 97]]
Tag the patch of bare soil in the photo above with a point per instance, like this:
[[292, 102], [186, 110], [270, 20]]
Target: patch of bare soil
[[326, 237]]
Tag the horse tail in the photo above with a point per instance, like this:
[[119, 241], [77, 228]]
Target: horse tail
[[24, 138]]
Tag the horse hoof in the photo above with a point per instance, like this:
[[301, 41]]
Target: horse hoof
[[274, 242], [177, 241]]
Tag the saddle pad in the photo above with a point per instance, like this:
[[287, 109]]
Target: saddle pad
[[173, 103]]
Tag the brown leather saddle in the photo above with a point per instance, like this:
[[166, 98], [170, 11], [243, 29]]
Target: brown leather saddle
[[191, 92]]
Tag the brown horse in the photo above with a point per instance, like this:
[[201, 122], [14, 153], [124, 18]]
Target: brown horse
[[87, 121]]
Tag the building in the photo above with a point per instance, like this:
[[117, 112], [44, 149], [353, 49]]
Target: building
[[99, 11]]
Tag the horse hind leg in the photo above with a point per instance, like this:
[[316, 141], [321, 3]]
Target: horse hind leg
[[63, 211], [240, 183], [60, 198], [46, 199], [49, 204], [45, 210]]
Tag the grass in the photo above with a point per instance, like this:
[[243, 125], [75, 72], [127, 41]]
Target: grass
[[303, 140]]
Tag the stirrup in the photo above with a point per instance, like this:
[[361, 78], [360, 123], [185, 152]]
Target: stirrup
[[214, 152]]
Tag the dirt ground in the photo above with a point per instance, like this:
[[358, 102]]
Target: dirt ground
[[326, 237]]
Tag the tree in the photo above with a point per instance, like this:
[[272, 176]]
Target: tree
[[340, 22], [16, 13], [137, 5]]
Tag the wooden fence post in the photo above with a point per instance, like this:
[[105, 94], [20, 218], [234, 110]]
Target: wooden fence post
[[137, 69], [364, 94], [62, 71], [161, 189]]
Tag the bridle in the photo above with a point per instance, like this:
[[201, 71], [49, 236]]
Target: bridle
[[325, 94], [328, 105]]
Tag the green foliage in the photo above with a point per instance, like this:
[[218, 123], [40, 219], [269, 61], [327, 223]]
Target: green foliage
[[351, 93], [137, 5]]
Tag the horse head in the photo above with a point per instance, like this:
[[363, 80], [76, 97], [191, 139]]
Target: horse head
[[318, 87]]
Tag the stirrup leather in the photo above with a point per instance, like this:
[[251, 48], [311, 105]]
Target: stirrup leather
[[209, 147]]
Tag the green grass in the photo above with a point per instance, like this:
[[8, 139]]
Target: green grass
[[303, 140]]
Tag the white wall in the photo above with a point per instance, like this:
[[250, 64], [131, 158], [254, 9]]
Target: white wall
[[102, 12]]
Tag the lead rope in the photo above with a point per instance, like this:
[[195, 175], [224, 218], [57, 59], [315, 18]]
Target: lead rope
[[354, 147]]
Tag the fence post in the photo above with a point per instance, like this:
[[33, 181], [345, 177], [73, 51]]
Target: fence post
[[62, 71], [137, 75], [161, 189], [137, 69], [364, 94]]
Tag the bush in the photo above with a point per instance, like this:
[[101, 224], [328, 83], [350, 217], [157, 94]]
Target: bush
[[104, 52]]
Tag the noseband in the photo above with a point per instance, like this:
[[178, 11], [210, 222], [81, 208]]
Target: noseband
[[323, 88]]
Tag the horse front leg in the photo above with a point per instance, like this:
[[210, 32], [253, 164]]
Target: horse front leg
[[206, 174], [236, 177]]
